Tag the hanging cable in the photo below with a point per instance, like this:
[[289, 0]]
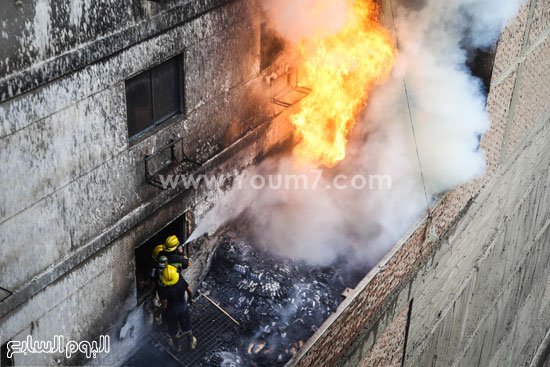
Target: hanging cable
[[412, 124]]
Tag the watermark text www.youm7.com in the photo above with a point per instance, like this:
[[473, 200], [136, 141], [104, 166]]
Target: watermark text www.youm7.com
[[282, 181], [58, 345]]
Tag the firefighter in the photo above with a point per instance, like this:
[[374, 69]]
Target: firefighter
[[155, 263], [153, 276], [174, 307], [158, 263], [175, 254]]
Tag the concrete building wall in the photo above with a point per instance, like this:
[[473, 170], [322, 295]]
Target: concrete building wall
[[486, 283], [43, 40], [75, 203], [479, 294]]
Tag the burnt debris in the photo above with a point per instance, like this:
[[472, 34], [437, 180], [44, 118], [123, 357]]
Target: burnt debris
[[279, 302]]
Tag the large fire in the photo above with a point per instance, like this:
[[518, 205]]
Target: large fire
[[341, 70]]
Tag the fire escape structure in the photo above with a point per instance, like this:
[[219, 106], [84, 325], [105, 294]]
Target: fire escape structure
[[168, 160], [285, 89]]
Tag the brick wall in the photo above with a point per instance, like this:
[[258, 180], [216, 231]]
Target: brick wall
[[389, 348]]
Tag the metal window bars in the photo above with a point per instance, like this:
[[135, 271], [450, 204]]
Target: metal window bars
[[166, 160], [285, 89]]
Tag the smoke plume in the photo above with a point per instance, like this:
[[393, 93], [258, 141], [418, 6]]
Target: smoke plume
[[447, 107], [299, 19]]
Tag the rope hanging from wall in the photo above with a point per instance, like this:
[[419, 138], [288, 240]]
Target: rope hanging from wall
[[431, 234], [411, 120]]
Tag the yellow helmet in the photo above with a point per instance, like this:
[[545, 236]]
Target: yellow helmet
[[156, 251], [171, 243], [170, 275]]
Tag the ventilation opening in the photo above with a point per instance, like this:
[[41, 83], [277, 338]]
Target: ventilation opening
[[480, 62], [5, 361], [180, 227], [271, 45]]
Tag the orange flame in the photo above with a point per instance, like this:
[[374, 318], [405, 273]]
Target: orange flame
[[340, 70]]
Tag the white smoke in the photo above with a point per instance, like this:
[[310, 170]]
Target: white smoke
[[299, 19], [448, 111]]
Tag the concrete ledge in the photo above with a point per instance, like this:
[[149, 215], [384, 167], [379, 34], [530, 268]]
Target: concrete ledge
[[78, 58]]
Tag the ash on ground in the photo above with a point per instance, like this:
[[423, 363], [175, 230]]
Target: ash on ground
[[279, 302]]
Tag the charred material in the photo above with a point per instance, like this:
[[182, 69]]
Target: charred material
[[279, 302]]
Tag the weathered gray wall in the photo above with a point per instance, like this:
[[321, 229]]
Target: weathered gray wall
[[75, 203], [44, 39]]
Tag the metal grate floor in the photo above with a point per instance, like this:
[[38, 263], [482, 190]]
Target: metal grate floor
[[210, 326]]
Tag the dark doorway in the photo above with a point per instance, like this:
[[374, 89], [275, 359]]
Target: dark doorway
[[480, 62], [5, 361], [271, 45], [180, 227]]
